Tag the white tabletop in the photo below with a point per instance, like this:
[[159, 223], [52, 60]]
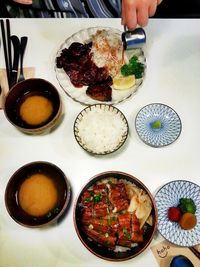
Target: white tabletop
[[173, 78]]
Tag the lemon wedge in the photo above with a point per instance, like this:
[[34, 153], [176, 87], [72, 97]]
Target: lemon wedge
[[123, 82]]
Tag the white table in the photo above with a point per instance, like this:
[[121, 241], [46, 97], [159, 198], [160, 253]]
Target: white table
[[173, 78]]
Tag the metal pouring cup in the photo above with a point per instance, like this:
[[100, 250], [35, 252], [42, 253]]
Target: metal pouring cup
[[133, 39]]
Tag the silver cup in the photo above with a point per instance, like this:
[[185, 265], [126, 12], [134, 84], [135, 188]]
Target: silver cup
[[133, 39]]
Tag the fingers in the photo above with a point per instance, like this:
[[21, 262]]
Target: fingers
[[25, 2], [129, 14], [142, 15], [137, 12], [152, 9]]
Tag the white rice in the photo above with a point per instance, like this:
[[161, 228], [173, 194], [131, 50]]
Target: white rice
[[101, 129], [107, 51]]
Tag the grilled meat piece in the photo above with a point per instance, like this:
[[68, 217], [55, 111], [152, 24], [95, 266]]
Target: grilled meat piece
[[114, 224], [136, 232], [100, 189], [88, 205], [101, 209], [100, 225], [87, 214], [100, 92], [75, 49], [104, 239], [124, 233], [118, 197], [87, 198]]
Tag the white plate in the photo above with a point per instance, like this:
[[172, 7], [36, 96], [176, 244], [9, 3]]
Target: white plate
[[168, 196], [79, 94]]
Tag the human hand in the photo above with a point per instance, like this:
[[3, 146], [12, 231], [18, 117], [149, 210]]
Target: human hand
[[24, 2], [138, 12]]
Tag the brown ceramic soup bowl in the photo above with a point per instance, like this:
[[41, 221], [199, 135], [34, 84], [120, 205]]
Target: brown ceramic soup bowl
[[33, 106], [103, 230], [21, 178]]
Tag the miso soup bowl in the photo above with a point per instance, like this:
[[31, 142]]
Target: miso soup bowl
[[20, 92], [60, 182], [118, 253]]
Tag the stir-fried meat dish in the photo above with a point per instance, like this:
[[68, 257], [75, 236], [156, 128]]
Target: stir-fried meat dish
[[82, 71], [105, 217]]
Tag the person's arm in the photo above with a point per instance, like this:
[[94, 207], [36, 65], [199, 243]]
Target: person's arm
[[137, 12], [25, 2]]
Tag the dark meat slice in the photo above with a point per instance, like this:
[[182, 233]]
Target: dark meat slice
[[100, 225], [91, 74], [101, 209], [124, 233], [87, 197], [64, 57], [118, 197], [87, 214], [101, 203], [88, 206], [100, 189], [75, 77], [114, 224], [109, 81], [101, 75], [75, 49], [136, 232], [101, 92], [106, 239], [85, 49], [103, 225]]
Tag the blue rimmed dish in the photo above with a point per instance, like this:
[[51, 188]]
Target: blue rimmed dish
[[169, 196], [158, 125]]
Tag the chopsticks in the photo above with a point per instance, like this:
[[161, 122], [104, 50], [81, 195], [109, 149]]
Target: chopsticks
[[7, 47], [18, 48]]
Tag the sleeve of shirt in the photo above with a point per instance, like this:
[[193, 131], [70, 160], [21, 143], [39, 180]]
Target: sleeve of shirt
[[104, 8]]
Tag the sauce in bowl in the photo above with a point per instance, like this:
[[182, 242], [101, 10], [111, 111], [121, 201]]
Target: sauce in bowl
[[36, 110], [37, 195]]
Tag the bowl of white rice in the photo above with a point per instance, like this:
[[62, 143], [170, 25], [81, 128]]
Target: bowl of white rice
[[101, 129]]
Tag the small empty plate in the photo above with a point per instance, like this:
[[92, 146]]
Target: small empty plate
[[158, 125]]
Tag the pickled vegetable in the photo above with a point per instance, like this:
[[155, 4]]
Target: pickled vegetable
[[188, 221], [187, 205]]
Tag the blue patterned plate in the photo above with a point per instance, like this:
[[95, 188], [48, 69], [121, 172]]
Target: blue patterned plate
[[158, 125], [169, 196]]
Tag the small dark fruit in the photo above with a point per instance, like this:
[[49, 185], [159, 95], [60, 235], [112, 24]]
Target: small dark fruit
[[174, 214]]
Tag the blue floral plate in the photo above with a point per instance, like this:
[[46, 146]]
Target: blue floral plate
[[168, 196], [158, 125]]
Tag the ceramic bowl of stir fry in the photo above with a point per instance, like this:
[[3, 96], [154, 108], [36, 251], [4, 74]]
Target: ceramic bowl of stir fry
[[115, 216]]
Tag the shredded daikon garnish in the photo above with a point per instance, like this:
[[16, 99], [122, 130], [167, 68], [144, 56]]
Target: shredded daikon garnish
[[107, 50]]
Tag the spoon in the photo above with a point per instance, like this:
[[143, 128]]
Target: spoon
[[23, 44]]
